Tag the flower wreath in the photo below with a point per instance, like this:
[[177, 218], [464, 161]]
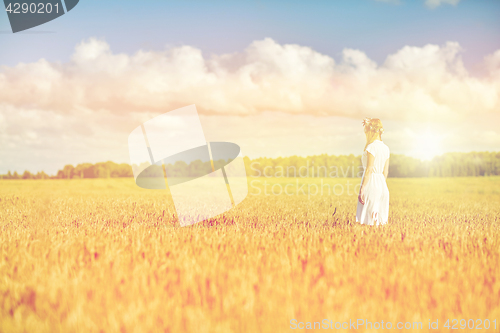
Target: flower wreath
[[367, 122]]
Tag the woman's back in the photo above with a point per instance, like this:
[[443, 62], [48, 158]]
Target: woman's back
[[373, 198], [380, 152]]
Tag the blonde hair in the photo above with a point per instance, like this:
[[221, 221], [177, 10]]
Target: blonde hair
[[374, 129]]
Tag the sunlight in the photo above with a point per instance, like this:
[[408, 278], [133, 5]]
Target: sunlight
[[427, 145]]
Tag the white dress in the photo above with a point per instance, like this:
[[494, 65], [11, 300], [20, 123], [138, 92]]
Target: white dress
[[375, 211]]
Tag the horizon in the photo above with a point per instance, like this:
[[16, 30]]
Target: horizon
[[20, 172]]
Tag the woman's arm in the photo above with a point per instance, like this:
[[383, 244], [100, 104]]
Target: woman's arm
[[366, 178], [386, 168]]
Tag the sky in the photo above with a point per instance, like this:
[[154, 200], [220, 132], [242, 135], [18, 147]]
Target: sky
[[279, 78]]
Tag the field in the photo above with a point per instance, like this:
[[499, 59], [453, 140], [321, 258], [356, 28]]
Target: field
[[102, 255]]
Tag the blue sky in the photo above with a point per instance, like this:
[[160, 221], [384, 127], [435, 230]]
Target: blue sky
[[378, 28]]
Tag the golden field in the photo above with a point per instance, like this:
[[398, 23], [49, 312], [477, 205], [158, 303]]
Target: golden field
[[102, 255]]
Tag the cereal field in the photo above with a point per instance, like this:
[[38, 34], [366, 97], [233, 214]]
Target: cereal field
[[102, 255]]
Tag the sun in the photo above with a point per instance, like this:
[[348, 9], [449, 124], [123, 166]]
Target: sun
[[427, 145]]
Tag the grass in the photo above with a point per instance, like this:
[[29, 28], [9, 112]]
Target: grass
[[102, 255]]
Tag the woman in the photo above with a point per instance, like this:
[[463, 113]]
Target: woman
[[373, 199]]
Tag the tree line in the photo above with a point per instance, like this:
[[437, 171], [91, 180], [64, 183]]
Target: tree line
[[84, 170], [446, 165]]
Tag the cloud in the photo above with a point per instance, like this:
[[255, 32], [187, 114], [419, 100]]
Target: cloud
[[437, 3], [492, 63], [429, 3], [52, 113], [419, 83]]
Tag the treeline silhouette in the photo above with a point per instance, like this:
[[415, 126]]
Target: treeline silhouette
[[85, 170], [446, 165]]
